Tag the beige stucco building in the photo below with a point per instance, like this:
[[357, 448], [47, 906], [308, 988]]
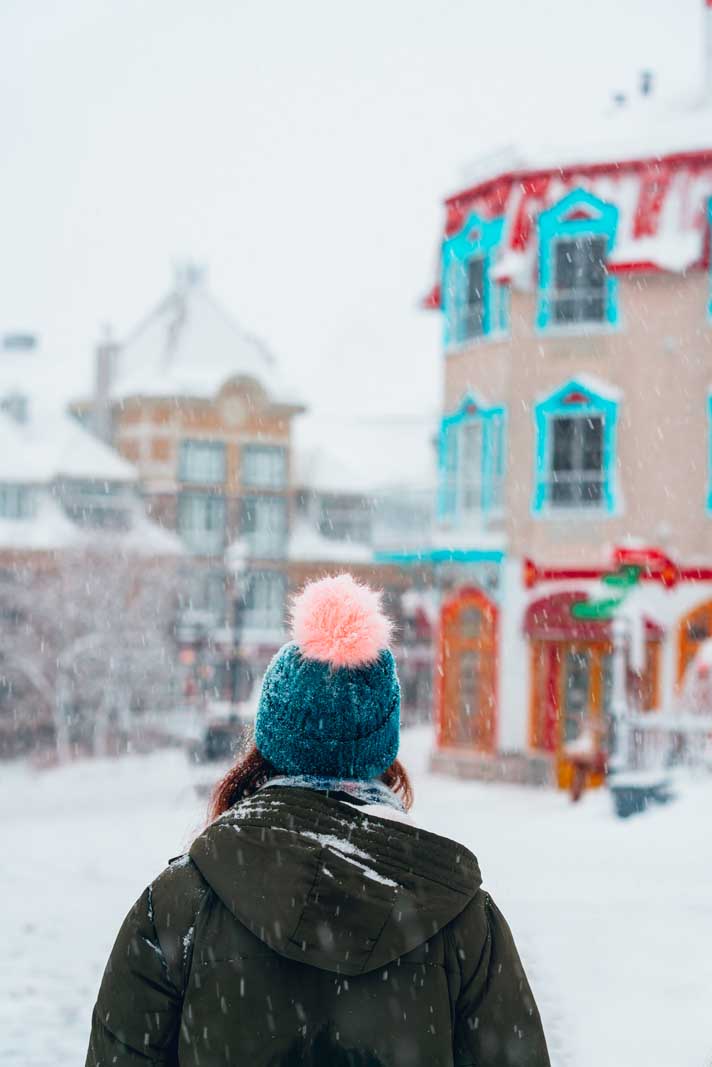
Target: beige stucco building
[[576, 437]]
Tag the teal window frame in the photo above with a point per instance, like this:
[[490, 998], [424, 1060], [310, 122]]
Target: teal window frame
[[574, 399], [493, 424], [478, 239], [578, 214]]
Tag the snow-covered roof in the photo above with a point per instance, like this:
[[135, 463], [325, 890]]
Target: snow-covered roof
[[51, 444], [44, 442], [189, 346], [654, 162], [641, 129], [367, 455], [49, 529]]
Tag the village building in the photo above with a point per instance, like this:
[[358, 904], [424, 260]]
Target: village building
[[60, 487], [261, 496], [575, 442]]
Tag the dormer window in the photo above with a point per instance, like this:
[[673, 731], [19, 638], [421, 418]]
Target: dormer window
[[580, 279], [576, 236], [475, 305]]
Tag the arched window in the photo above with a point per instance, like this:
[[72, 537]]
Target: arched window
[[576, 236], [472, 458], [474, 304], [576, 449]]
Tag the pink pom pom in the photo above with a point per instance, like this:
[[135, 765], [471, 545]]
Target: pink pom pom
[[340, 621]]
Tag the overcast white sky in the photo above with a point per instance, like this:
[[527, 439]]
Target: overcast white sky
[[299, 149]]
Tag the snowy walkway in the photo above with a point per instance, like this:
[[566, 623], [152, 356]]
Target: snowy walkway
[[614, 920]]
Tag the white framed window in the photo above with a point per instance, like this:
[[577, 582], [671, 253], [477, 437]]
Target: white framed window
[[201, 522], [202, 462], [345, 518], [576, 472], [16, 501], [204, 592], [263, 466], [262, 605], [263, 525], [98, 505], [580, 292]]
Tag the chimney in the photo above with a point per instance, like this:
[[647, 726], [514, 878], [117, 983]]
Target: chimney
[[707, 38], [106, 355]]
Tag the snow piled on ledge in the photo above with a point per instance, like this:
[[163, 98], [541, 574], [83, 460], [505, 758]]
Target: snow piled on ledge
[[643, 128]]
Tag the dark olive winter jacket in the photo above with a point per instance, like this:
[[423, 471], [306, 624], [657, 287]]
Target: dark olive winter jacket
[[299, 930]]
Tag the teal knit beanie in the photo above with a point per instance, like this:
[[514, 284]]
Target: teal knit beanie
[[330, 700]]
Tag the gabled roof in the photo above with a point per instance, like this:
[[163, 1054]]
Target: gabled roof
[[653, 163], [189, 346], [53, 445], [48, 443]]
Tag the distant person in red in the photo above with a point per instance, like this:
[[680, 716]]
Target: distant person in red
[[313, 922]]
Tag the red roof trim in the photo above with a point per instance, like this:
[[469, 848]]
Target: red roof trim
[[701, 156]]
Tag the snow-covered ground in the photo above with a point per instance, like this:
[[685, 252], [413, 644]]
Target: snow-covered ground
[[613, 919]]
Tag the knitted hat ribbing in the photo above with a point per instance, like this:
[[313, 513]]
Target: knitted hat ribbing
[[330, 700]]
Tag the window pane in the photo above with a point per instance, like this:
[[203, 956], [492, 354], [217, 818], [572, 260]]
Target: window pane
[[565, 309], [592, 444], [16, 502], [473, 319], [263, 601], [592, 262], [475, 281], [562, 492], [264, 466], [201, 522], [469, 691], [577, 680], [591, 492], [563, 430], [471, 465], [593, 308], [565, 264], [202, 461], [263, 525]]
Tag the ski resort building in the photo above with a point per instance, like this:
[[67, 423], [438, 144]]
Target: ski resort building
[[260, 499], [60, 487], [575, 443]]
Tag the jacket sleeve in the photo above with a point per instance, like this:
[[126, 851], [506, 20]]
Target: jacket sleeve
[[496, 1020], [136, 1018]]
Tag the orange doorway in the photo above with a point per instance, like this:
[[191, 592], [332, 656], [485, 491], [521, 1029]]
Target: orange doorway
[[467, 701]]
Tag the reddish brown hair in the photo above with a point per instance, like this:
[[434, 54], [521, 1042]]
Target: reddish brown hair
[[252, 770]]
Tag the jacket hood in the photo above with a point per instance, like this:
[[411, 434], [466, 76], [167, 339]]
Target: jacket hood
[[320, 882]]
